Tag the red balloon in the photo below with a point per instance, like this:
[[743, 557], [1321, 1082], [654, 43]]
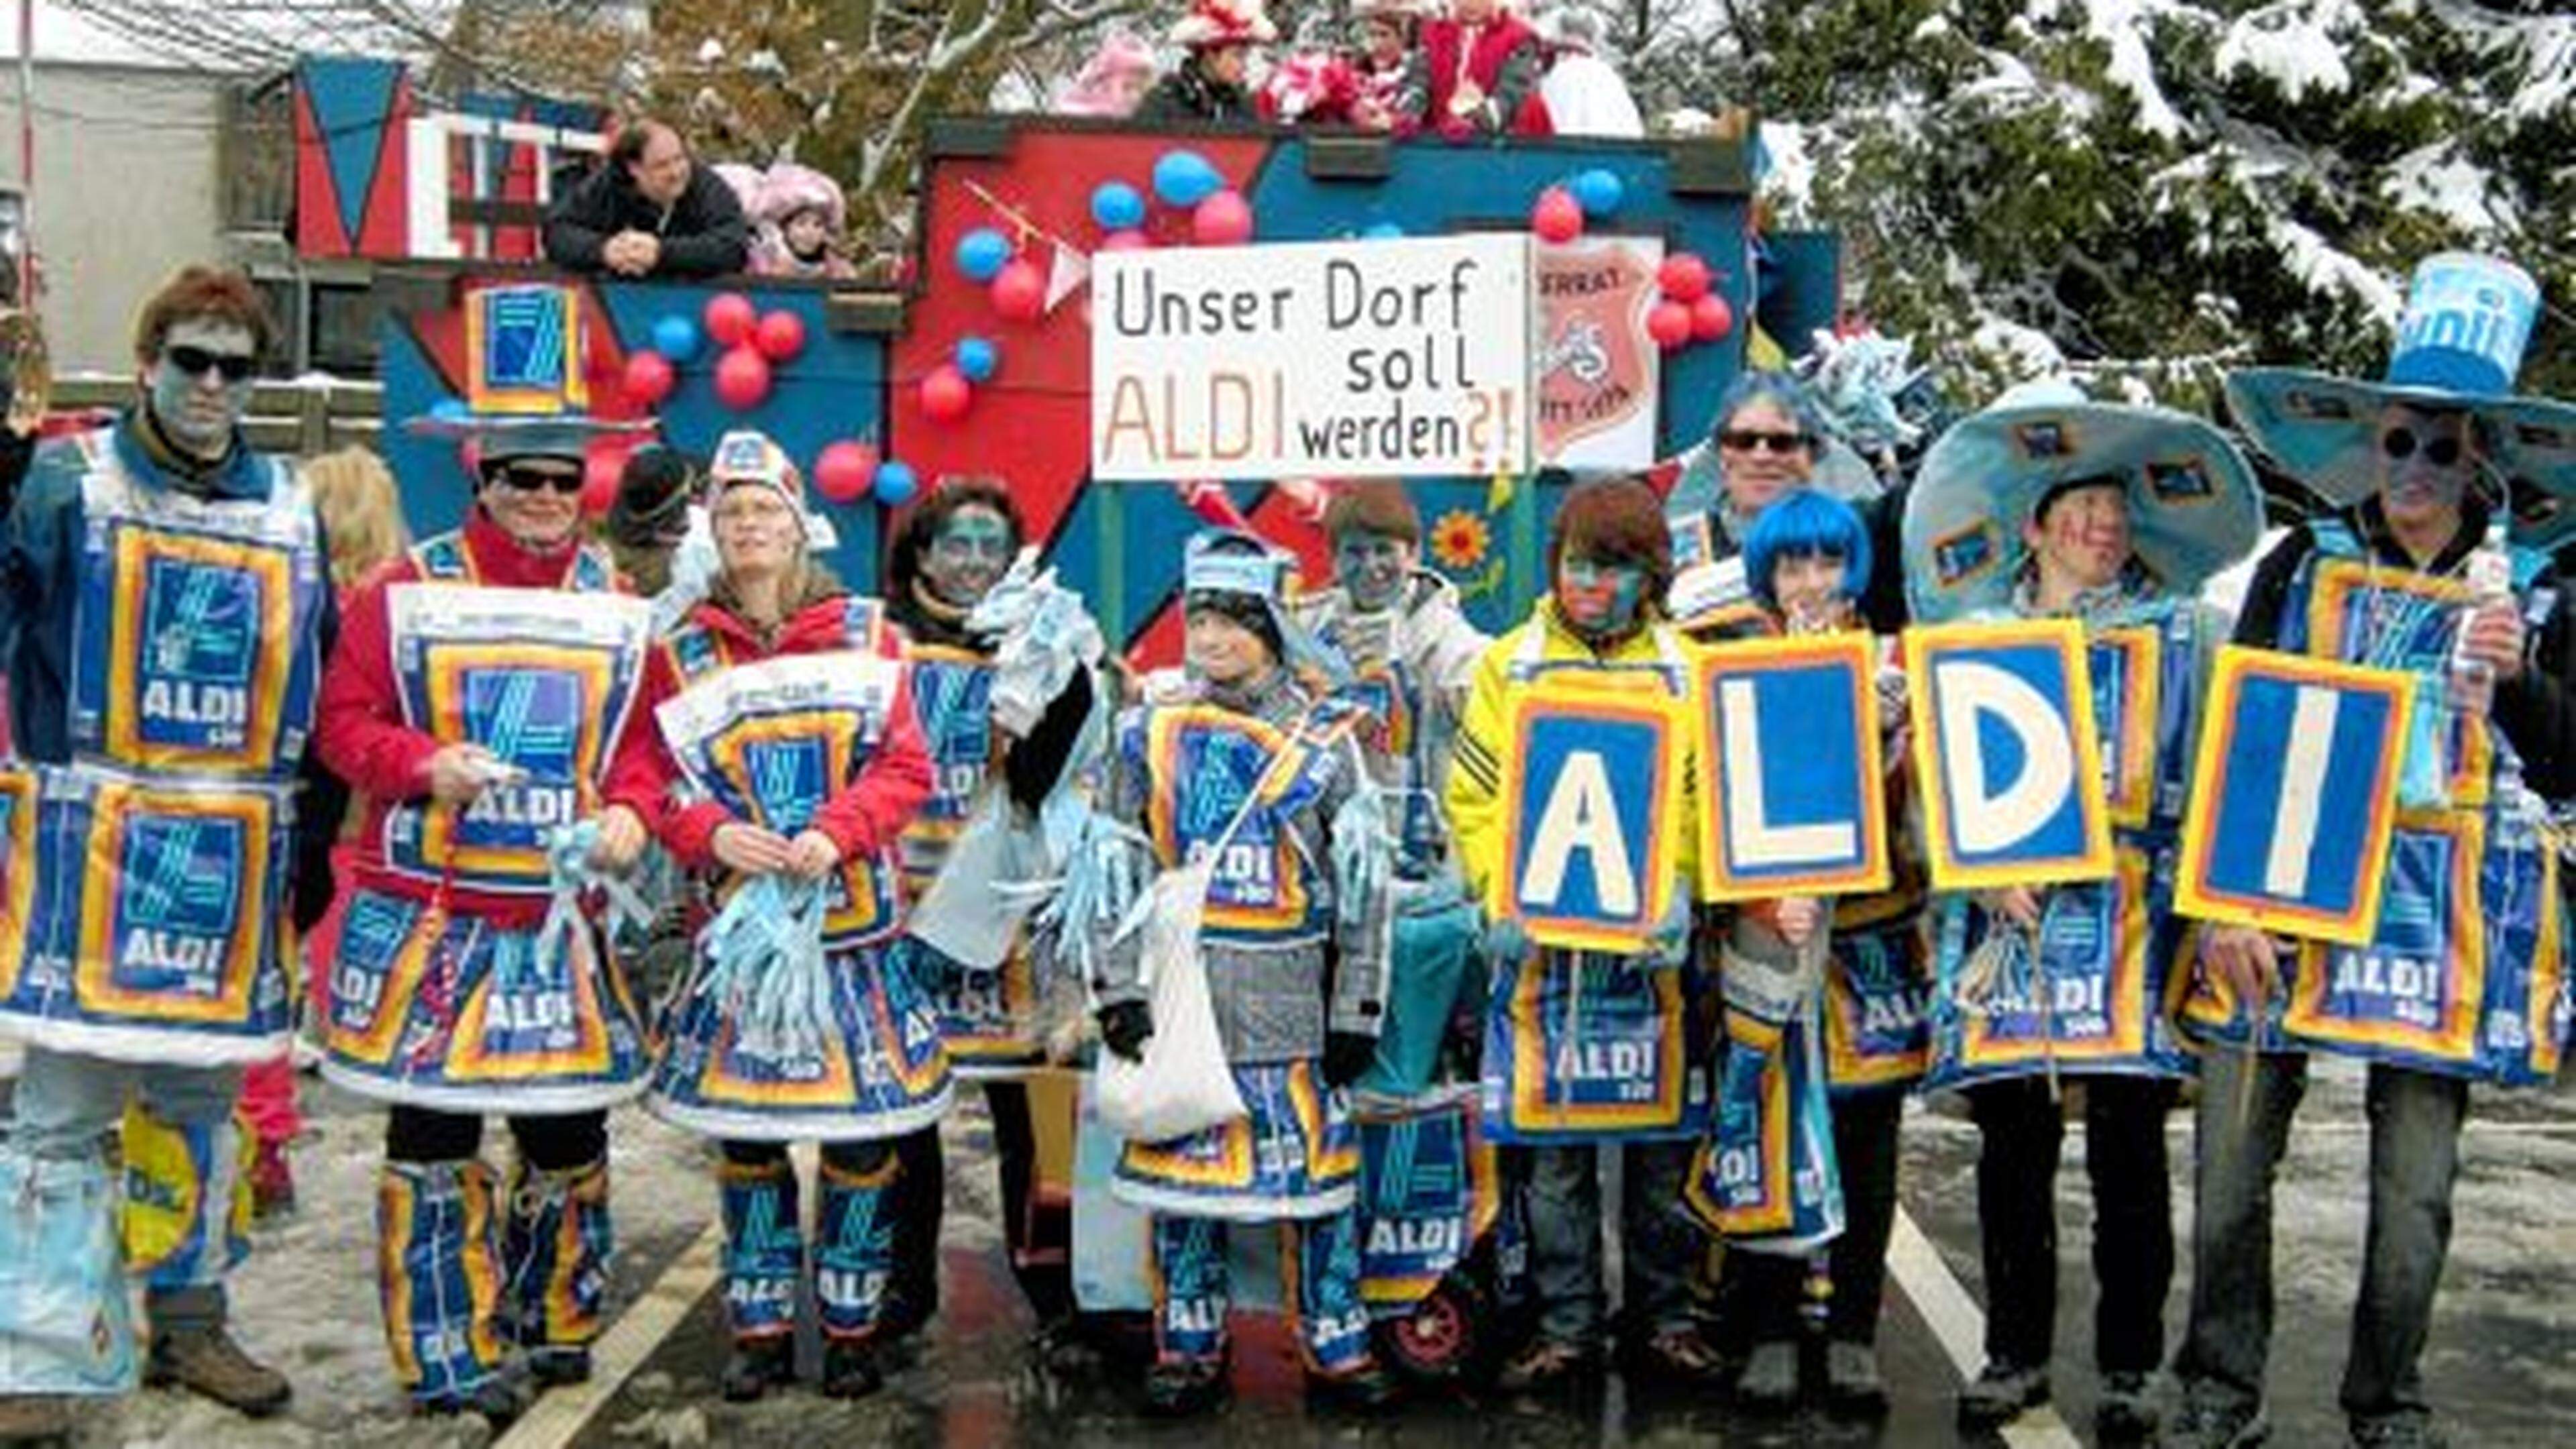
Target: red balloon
[[1557, 217], [648, 379], [1221, 219], [945, 394], [730, 318], [601, 472], [843, 471], [1126, 239], [1019, 291], [742, 379], [780, 336], [1682, 278], [1669, 324], [1711, 318]]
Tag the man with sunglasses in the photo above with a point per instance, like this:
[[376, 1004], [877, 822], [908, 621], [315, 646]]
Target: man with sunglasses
[[164, 611], [2419, 463]]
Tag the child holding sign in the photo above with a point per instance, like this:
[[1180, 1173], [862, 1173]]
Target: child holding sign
[[1572, 777]]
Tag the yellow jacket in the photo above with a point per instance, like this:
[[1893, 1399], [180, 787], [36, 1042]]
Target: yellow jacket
[[1544, 644]]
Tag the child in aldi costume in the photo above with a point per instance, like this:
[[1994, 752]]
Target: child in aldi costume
[[1241, 767], [1002, 715], [1857, 972], [785, 764], [1557, 1019], [481, 687], [2047, 506], [2464, 979], [165, 610]]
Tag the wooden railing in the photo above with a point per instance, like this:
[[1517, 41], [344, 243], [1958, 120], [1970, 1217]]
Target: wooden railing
[[285, 417]]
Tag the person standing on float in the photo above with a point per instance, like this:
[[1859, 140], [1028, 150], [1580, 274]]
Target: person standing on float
[[167, 610], [481, 687]]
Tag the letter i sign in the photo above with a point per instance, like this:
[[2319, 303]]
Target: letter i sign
[[1592, 814]]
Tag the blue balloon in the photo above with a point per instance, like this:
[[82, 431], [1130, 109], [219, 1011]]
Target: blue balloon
[[1184, 178], [676, 338], [1117, 206], [1381, 231], [981, 253], [1598, 191], [450, 410], [977, 357], [896, 483]]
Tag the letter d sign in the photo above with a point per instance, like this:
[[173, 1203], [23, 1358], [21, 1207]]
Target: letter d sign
[[2008, 752]]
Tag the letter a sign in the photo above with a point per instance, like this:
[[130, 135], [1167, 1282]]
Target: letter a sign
[[1592, 799], [1789, 734], [2294, 795], [2011, 764]]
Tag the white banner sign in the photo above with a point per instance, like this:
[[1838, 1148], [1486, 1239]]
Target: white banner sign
[[1364, 359]]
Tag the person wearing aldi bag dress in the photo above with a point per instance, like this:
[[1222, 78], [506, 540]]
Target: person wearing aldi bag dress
[[1237, 766], [2046, 506], [1002, 715], [481, 687], [164, 613], [784, 764], [2414, 572], [1807, 559], [1610, 560]]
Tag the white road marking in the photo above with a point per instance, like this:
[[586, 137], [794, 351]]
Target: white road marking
[[559, 1414], [1960, 1328]]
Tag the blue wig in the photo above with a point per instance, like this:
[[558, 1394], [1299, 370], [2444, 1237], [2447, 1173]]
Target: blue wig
[[1806, 524]]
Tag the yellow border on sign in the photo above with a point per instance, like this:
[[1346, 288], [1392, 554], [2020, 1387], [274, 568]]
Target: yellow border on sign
[[2066, 636], [2192, 895], [18, 869], [2133, 795], [2124, 993], [444, 668], [2456, 1039], [1857, 653], [119, 806], [482, 397], [1163, 752], [1560, 695], [270, 639], [2470, 738]]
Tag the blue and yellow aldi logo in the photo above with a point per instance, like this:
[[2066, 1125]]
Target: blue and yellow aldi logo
[[198, 656], [1592, 813], [952, 693], [537, 708], [1219, 765], [523, 351], [177, 914]]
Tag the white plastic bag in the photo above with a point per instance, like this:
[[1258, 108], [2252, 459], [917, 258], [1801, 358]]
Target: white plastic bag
[[1183, 1085]]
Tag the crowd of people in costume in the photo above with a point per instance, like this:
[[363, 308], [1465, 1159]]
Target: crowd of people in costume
[[886, 842]]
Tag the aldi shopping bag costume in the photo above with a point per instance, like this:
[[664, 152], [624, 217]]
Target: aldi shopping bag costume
[[165, 616], [480, 691]]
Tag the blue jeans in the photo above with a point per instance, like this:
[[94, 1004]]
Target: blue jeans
[[1659, 1241], [65, 1107], [2415, 1122]]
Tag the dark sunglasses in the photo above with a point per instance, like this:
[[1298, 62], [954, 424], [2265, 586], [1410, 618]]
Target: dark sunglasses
[[2400, 443], [194, 361], [530, 480], [1750, 440]]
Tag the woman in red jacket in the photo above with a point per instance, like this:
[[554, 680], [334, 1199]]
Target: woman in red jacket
[[480, 685], [784, 763]]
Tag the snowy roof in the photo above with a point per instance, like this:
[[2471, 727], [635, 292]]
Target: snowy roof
[[235, 37]]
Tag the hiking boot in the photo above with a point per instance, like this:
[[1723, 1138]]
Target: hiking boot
[[1769, 1382], [1182, 1390], [2208, 1421], [2126, 1411], [204, 1360], [850, 1369], [2403, 1431], [36, 1419], [1678, 1357], [757, 1365], [1852, 1382], [557, 1365], [2000, 1395], [272, 1182], [1364, 1390], [499, 1400], [1545, 1364]]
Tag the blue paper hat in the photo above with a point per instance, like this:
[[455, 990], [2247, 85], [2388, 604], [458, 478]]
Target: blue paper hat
[[2459, 347], [525, 392], [1230, 561], [2193, 507]]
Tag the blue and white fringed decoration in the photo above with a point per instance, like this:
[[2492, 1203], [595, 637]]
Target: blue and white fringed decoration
[[1109, 869], [1043, 635], [767, 967], [1364, 851], [571, 876]]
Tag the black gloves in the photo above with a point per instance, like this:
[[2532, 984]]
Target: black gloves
[[1124, 1026], [1347, 1056]]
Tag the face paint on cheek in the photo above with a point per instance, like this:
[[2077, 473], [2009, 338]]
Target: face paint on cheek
[[1601, 599]]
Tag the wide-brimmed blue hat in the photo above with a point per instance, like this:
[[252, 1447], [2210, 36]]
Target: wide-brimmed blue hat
[[525, 391], [2193, 506], [2459, 346]]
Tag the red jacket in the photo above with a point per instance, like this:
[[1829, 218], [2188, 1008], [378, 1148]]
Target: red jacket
[[1505, 63], [360, 731], [863, 817]]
